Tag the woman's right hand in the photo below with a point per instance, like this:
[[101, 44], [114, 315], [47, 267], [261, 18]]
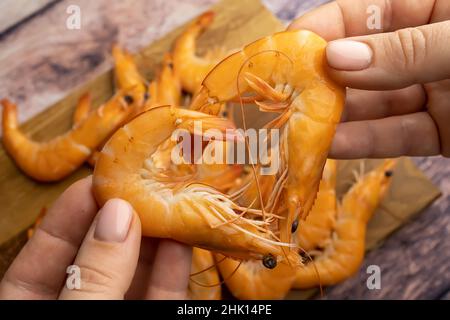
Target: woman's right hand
[[399, 75]]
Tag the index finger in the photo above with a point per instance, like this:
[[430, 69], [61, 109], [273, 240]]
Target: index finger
[[348, 18], [174, 287], [39, 270]]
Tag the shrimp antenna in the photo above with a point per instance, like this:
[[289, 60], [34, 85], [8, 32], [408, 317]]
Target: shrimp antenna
[[221, 282], [244, 122], [315, 269], [215, 264]]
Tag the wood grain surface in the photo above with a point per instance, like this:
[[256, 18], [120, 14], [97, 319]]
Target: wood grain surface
[[12, 12], [41, 61]]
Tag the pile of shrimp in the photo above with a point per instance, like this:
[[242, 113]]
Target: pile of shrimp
[[258, 234]]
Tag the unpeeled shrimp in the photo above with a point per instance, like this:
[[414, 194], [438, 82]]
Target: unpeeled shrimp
[[344, 253], [57, 158]]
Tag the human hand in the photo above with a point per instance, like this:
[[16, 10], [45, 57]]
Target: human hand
[[114, 261], [409, 113]]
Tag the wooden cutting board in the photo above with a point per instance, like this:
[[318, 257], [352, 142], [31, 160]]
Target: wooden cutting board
[[237, 23]]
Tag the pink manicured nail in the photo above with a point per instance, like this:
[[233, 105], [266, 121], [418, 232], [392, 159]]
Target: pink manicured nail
[[349, 55], [114, 221]]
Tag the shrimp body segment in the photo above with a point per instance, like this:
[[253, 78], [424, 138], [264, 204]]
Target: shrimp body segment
[[344, 253], [172, 200], [284, 73]]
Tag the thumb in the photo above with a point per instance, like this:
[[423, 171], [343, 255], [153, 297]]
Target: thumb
[[108, 256], [392, 60]]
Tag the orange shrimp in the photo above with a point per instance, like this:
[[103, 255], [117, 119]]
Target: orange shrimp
[[287, 71], [172, 200], [344, 253], [205, 282], [55, 159], [315, 230], [192, 68]]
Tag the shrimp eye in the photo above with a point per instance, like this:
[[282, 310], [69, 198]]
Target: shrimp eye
[[269, 261], [170, 65], [128, 99], [146, 96], [294, 226], [388, 173]]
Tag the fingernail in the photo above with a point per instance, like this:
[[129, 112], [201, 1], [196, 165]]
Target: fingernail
[[114, 221], [349, 55]]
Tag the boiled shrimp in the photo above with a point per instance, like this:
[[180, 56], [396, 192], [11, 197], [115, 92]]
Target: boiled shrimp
[[284, 73], [172, 200], [191, 67], [344, 253], [204, 283], [55, 159]]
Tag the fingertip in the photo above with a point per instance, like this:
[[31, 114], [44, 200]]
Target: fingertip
[[109, 254], [339, 146], [114, 221], [179, 257], [347, 55]]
